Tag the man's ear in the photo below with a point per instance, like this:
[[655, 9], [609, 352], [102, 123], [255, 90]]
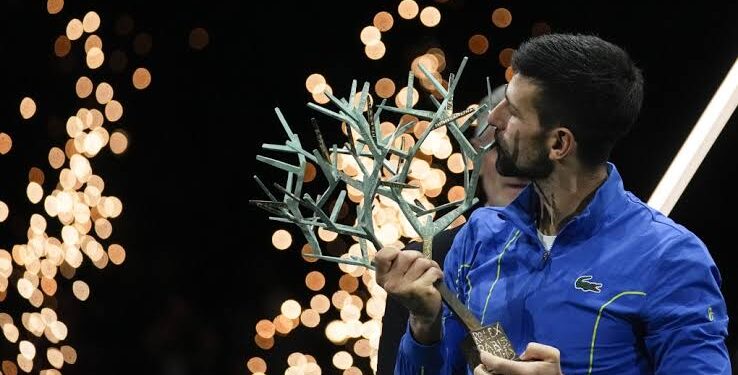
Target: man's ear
[[562, 144]]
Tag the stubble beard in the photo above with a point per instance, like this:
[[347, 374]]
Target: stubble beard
[[539, 166]]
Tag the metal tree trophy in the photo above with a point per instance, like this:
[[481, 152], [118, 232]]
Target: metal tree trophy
[[381, 176]]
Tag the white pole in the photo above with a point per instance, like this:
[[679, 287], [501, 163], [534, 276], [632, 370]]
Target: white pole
[[697, 145]]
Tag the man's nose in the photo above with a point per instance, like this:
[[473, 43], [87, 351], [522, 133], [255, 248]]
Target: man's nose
[[496, 117]]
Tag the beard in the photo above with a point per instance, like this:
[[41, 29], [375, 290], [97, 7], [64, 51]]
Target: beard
[[538, 167]]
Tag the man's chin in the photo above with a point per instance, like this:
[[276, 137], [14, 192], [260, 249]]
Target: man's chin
[[515, 185], [508, 170]]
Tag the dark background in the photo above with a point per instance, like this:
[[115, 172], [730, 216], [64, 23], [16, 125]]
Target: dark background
[[200, 268]]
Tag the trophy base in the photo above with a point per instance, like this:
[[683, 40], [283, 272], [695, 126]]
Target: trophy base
[[491, 339]]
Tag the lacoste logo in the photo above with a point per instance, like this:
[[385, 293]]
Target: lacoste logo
[[585, 285]]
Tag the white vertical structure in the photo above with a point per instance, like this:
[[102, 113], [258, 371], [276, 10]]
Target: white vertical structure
[[697, 145]]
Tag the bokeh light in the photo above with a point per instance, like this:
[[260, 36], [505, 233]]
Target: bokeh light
[[265, 328], [383, 21], [141, 78], [118, 142], [291, 309], [74, 29], [501, 17], [199, 38], [113, 110], [27, 108], [401, 97], [320, 303], [478, 44], [342, 360], [256, 364], [408, 9], [315, 281], [6, 143], [430, 16], [95, 58], [81, 290], [375, 51], [34, 192], [320, 96], [384, 88], [56, 157], [62, 46], [36, 175], [509, 73], [93, 41], [370, 35], [505, 57], [4, 212], [90, 22], [281, 239], [310, 318], [54, 6], [104, 93], [83, 87], [46, 254]]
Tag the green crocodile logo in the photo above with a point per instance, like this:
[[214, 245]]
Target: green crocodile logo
[[583, 283]]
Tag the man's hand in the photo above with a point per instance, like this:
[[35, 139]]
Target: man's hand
[[408, 276], [537, 359]]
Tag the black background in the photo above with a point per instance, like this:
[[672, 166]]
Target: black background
[[200, 268]]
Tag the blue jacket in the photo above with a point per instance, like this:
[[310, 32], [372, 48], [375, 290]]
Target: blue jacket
[[624, 290]]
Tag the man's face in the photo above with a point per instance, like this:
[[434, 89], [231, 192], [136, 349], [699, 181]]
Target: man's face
[[521, 141]]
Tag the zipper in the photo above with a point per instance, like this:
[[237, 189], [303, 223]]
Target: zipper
[[546, 252], [544, 259]]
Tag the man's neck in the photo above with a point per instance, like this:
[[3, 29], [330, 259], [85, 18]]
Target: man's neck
[[564, 194]]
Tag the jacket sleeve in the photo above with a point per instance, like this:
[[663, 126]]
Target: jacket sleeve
[[686, 318], [444, 357]]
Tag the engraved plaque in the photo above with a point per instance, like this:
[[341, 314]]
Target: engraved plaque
[[491, 339]]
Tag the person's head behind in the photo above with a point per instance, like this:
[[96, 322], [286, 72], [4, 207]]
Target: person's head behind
[[585, 84], [494, 189]]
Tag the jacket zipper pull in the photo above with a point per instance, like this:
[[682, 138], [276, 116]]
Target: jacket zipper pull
[[546, 257]]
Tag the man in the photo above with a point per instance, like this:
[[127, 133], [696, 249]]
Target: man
[[583, 276], [493, 190]]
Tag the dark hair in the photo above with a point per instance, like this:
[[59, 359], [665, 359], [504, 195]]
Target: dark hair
[[586, 84]]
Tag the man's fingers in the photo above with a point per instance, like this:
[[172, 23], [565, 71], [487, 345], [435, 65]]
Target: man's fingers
[[498, 365], [404, 260], [392, 266], [537, 359], [430, 276], [540, 352], [481, 370], [417, 268], [383, 259]]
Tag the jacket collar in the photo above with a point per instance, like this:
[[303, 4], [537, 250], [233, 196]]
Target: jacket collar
[[522, 211]]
